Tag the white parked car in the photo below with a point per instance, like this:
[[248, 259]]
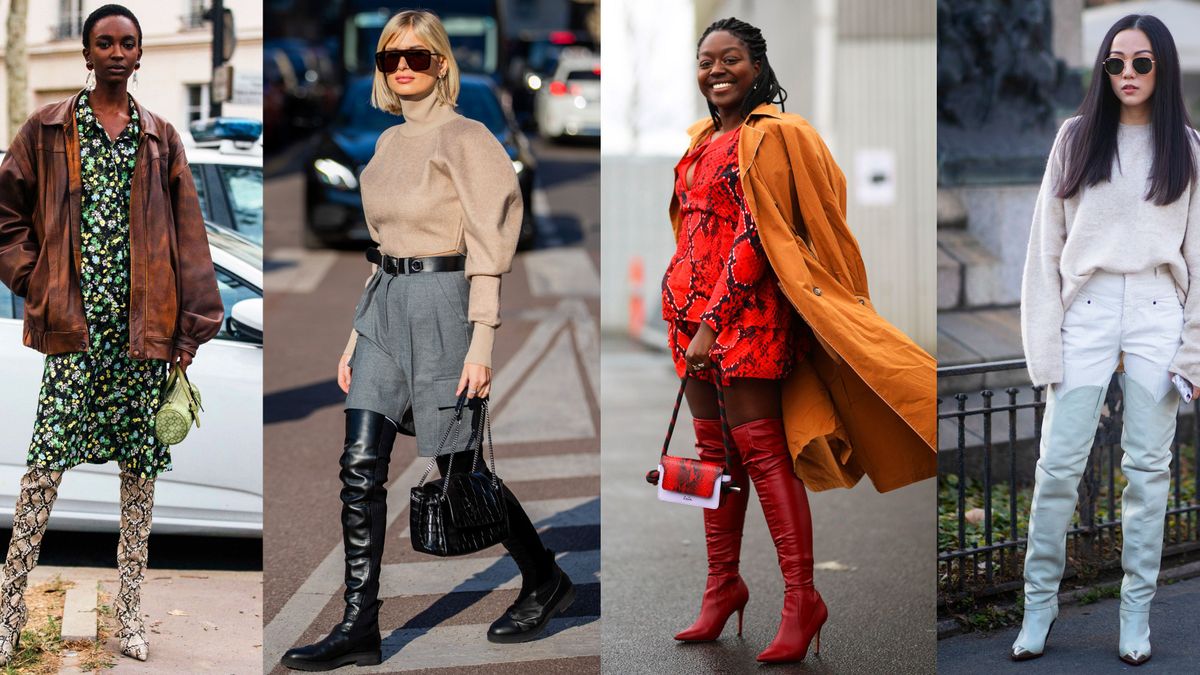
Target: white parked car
[[229, 173], [216, 486], [569, 104]]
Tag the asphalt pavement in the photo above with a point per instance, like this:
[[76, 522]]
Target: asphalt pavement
[[874, 553], [546, 420], [1084, 640]]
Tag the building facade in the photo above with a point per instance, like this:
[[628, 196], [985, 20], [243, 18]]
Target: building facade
[[176, 69]]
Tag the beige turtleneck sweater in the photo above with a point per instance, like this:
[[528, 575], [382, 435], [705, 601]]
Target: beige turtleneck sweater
[[439, 184], [1111, 227]]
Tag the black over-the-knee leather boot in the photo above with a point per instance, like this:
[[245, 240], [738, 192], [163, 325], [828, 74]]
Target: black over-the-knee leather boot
[[546, 591], [356, 640]]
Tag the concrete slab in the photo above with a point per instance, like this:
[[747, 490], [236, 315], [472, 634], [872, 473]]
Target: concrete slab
[[79, 612], [197, 622]]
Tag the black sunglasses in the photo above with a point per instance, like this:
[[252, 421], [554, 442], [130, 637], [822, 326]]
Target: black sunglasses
[[1142, 65], [388, 60]]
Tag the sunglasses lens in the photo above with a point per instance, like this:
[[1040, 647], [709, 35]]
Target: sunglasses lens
[[387, 62], [1114, 66], [1142, 65], [417, 59]]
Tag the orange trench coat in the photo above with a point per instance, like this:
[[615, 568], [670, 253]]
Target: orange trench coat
[[866, 401]]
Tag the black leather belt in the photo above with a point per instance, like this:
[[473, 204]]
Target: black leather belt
[[434, 263]]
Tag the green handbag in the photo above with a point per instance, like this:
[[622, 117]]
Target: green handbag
[[180, 407]]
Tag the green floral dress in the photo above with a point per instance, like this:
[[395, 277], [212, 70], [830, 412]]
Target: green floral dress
[[98, 406]]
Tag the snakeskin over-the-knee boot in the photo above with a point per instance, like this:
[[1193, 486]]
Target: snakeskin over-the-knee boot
[[39, 488], [137, 503]]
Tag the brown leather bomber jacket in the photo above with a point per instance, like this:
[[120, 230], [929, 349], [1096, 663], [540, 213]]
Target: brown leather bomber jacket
[[173, 296]]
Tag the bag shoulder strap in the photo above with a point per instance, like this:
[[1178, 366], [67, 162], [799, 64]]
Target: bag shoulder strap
[[726, 433]]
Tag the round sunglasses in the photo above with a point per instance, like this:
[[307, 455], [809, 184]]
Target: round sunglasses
[[1115, 65], [388, 60]]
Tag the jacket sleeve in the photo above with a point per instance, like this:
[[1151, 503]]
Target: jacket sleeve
[[745, 266], [200, 309], [18, 190], [1187, 358], [492, 208], [1041, 283]]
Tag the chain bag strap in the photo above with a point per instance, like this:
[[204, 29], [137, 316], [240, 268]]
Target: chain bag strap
[[461, 512]]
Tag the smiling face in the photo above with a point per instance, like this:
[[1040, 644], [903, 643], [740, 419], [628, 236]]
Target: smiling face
[[1133, 89], [406, 82], [113, 49], [725, 71]]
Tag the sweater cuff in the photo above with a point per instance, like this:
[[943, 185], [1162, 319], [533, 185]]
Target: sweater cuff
[[483, 305], [480, 352]]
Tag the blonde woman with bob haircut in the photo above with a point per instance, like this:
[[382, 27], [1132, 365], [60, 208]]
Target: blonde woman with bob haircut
[[442, 204]]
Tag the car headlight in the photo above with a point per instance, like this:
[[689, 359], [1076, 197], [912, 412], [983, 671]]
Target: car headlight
[[534, 82], [518, 166], [335, 174]]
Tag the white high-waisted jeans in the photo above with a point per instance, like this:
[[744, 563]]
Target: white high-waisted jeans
[[1140, 316]]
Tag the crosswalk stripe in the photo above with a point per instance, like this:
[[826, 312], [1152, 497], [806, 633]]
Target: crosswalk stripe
[[464, 575], [548, 467], [571, 512], [421, 648], [553, 391]]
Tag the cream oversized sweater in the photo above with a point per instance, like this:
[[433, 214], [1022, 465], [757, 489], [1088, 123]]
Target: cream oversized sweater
[[1110, 227], [439, 184]]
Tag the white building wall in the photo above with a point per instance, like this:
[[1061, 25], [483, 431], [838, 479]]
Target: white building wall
[[174, 56]]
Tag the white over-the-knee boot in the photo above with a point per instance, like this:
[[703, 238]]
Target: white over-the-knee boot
[[1068, 431], [1149, 428]]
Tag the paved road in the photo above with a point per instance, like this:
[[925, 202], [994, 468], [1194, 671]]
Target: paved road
[[1085, 638], [546, 403], [877, 551]]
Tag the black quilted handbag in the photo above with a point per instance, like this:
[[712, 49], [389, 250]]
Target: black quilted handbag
[[462, 512]]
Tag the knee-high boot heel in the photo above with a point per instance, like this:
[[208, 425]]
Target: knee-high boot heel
[[356, 640], [39, 489], [764, 451], [725, 592], [133, 548]]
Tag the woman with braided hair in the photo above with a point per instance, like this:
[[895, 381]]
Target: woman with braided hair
[[765, 269]]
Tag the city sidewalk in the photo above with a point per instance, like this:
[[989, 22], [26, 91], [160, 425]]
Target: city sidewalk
[[874, 553], [197, 621], [1084, 640]]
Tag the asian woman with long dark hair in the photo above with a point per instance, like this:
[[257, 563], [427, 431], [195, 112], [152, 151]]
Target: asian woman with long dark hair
[[1112, 274]]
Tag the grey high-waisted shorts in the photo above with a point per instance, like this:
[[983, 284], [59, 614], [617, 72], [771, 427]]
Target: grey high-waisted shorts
[[413, 335]]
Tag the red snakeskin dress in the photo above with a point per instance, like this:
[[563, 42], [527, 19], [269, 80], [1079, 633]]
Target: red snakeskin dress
[[720, 274]]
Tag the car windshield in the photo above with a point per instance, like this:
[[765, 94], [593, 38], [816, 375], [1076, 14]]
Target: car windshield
[[475, 101], [583, 75]]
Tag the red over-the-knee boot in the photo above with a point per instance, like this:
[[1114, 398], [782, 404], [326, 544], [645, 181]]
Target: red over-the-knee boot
[[764, 451], [725, 592]]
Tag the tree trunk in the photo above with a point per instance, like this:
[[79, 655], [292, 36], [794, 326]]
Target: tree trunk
[[16, 66]]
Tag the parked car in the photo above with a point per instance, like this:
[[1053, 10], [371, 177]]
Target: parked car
[[226, 157], [533, 62], [569, 104], [333, 203], [215, 487]]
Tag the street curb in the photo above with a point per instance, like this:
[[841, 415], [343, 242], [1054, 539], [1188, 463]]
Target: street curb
[[950, 627], [79, 612]]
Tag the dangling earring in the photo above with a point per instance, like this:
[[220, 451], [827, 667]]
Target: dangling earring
[[89, 82], [135, 82]]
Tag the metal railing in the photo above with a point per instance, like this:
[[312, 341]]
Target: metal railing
[[66, 29], [985, 484]]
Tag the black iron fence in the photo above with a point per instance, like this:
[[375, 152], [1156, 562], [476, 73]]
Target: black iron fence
[[985, 484]]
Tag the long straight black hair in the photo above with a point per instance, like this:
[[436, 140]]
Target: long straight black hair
[[1091, 143], [765, 88]]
